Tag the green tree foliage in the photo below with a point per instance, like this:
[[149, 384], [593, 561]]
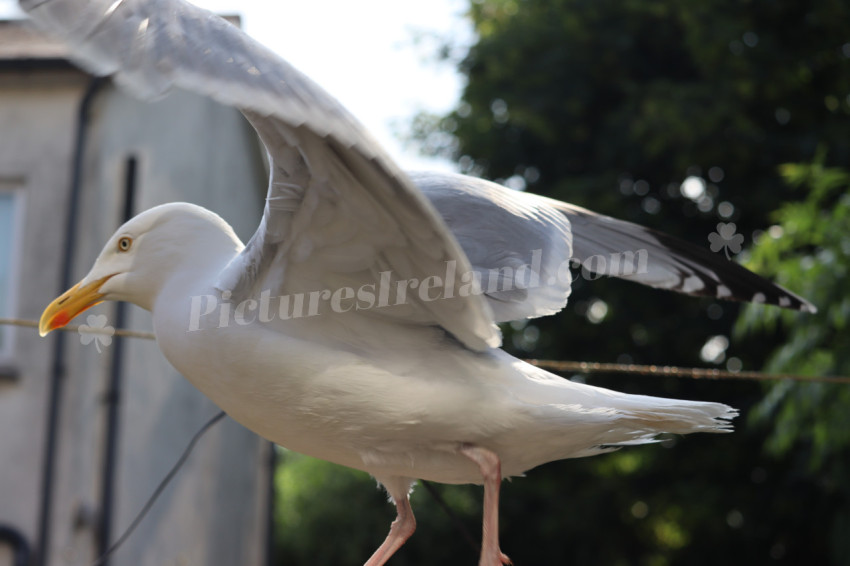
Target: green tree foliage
[[612, 104], [333, 516], [586, 91], [810, 422]]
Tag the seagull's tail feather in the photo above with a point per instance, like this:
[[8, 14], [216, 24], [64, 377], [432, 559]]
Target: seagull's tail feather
[[582, 420], [642, 419], [683, 417], [637, 419]]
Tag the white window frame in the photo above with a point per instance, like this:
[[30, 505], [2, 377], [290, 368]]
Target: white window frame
[[13, 187]]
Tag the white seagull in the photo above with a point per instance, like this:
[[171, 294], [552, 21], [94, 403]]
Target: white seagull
[[358, 325]]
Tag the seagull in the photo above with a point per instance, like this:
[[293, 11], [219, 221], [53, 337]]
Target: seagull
[[359, 323]]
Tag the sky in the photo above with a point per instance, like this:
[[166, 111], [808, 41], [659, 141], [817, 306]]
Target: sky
[[364, 53]]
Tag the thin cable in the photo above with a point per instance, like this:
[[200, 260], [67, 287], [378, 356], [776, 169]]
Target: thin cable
[[554, 365], [108, 330], [459, 525], [159, 489]]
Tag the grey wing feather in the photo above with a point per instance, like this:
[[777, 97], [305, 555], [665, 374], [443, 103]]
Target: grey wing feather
[[518, 245], [601, 245], [325, 168]]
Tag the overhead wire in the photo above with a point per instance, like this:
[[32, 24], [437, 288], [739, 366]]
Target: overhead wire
[[561, 366]]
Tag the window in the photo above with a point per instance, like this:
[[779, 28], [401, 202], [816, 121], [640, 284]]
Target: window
[[8, 245]]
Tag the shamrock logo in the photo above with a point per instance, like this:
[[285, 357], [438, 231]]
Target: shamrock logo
[[726, 239], [96, 331]]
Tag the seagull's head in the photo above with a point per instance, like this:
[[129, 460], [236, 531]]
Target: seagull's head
[[142, 255]]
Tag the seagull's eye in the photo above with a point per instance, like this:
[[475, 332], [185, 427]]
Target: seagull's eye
[[124, 244]]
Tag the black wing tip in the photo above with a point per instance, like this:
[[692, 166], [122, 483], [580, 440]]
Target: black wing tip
[[725, 279], [758, 292], [718, 276]]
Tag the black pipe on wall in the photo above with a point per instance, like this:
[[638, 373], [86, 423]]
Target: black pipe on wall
[[113, 395], [57, 371]]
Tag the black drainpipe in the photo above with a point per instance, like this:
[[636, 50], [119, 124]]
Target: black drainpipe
[[113, 395], [57, 373]]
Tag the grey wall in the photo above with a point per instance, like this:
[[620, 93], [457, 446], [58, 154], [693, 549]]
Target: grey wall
[[189, 149], [37, 114]]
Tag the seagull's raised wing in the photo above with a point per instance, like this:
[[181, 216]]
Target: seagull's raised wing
[[607, 246], [519, 246], [339, 212]]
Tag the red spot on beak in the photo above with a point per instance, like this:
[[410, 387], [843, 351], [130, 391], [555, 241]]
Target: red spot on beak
[[61, 319]]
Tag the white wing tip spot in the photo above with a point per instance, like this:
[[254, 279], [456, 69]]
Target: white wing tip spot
[[693, 283]]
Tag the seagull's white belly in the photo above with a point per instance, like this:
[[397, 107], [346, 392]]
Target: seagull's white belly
[[340, 407]]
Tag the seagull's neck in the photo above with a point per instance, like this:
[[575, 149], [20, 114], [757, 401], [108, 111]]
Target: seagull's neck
[[185, 265], [193, 277]]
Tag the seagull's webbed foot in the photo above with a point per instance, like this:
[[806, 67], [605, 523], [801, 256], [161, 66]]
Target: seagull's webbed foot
[[491, 470], [401, 528]]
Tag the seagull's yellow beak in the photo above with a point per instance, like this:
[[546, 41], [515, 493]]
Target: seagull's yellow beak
[[71, 303]]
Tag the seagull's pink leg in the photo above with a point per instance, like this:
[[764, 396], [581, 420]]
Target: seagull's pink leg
[[400, 530], [491, 469]]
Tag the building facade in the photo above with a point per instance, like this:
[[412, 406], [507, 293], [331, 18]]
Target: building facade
[[90, 424]]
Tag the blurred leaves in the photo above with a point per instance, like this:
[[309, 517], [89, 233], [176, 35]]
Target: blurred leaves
[[809, 249], [612, 105], [330, 516]]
